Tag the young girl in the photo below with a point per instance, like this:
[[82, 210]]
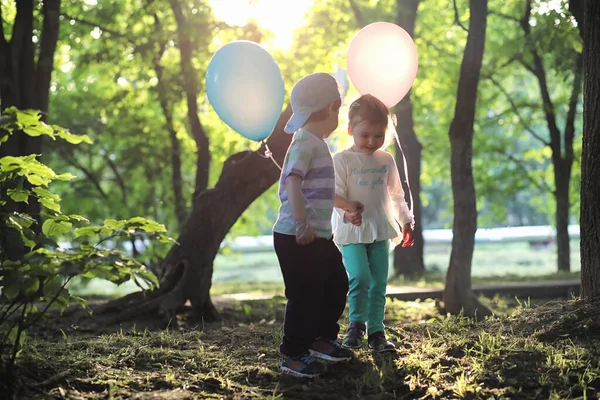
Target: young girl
[[367, 174]]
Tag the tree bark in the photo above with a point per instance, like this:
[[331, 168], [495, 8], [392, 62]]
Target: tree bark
[[188, 267], [458, 294], [24, 83], [590, 157], [409, 261]]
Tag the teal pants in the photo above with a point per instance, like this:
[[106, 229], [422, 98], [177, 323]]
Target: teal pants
[[367, 266]]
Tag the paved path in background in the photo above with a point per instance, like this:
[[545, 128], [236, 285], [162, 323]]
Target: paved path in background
[[534, 290]]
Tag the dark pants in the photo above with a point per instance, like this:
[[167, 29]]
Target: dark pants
[[316, 285]]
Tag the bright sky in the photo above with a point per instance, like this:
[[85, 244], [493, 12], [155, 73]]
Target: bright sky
[[281, 17]]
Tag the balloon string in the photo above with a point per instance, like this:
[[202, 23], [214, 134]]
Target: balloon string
[[412, 204], [269, 154]]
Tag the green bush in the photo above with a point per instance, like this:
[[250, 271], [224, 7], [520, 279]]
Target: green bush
[[34, 270]]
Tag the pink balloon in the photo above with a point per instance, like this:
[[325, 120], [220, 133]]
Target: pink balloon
[[382, 61]]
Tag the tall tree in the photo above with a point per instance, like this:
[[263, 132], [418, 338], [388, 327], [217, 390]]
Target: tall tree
[[590, 158], [409, 260], [26, 69], [561, 143], [458, 294]]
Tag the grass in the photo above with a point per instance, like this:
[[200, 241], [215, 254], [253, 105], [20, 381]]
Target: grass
[[529, 350]]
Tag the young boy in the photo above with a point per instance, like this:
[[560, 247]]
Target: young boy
[[316, 283]]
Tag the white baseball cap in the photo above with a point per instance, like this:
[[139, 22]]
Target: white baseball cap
[[310, 94]]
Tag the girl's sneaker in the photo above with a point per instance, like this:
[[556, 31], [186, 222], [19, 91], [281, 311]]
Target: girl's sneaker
[[302, 366], [330, 350], [379, 344], [354, 336]]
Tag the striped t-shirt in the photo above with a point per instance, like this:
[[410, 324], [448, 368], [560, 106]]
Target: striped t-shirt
[[308, 157]]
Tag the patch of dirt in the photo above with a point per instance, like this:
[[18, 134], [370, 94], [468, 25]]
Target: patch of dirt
[[576, 319]]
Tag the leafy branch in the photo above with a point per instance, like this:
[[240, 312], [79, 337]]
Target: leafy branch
[[542, 187], [456, 17], [515, 109], [40, 270]]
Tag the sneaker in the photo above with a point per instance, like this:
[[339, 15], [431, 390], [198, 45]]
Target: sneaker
[[379, 344], [330, 350], [302, 366], [354, 336]]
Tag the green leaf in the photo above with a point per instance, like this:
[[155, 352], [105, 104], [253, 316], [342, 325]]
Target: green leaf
[[14, 223], [10, 163], [147, 225], [50, 204], [18, 195], [64, 177], [38, 180], [45, 193], [12, 335], [61, 303], [11, 291], [31, 309], [76, 218], [91, 231], [82, 302], [114, 224], [164, 239], [71, 138], [147, 276], [31, 286], [28, 117], [39, 129], [56, 228], [51, 288], [24, 220]]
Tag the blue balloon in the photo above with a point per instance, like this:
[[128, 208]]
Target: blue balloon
[[244, 84]]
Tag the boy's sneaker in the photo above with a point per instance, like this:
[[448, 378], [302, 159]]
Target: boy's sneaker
[[379, 344], [330, 350], [302, 366], [354, 336]]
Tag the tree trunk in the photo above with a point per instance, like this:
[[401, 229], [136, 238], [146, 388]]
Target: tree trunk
[[188, 267], [590, 157], [458, 294], [409, 261], [562, 175], [24, 83]]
